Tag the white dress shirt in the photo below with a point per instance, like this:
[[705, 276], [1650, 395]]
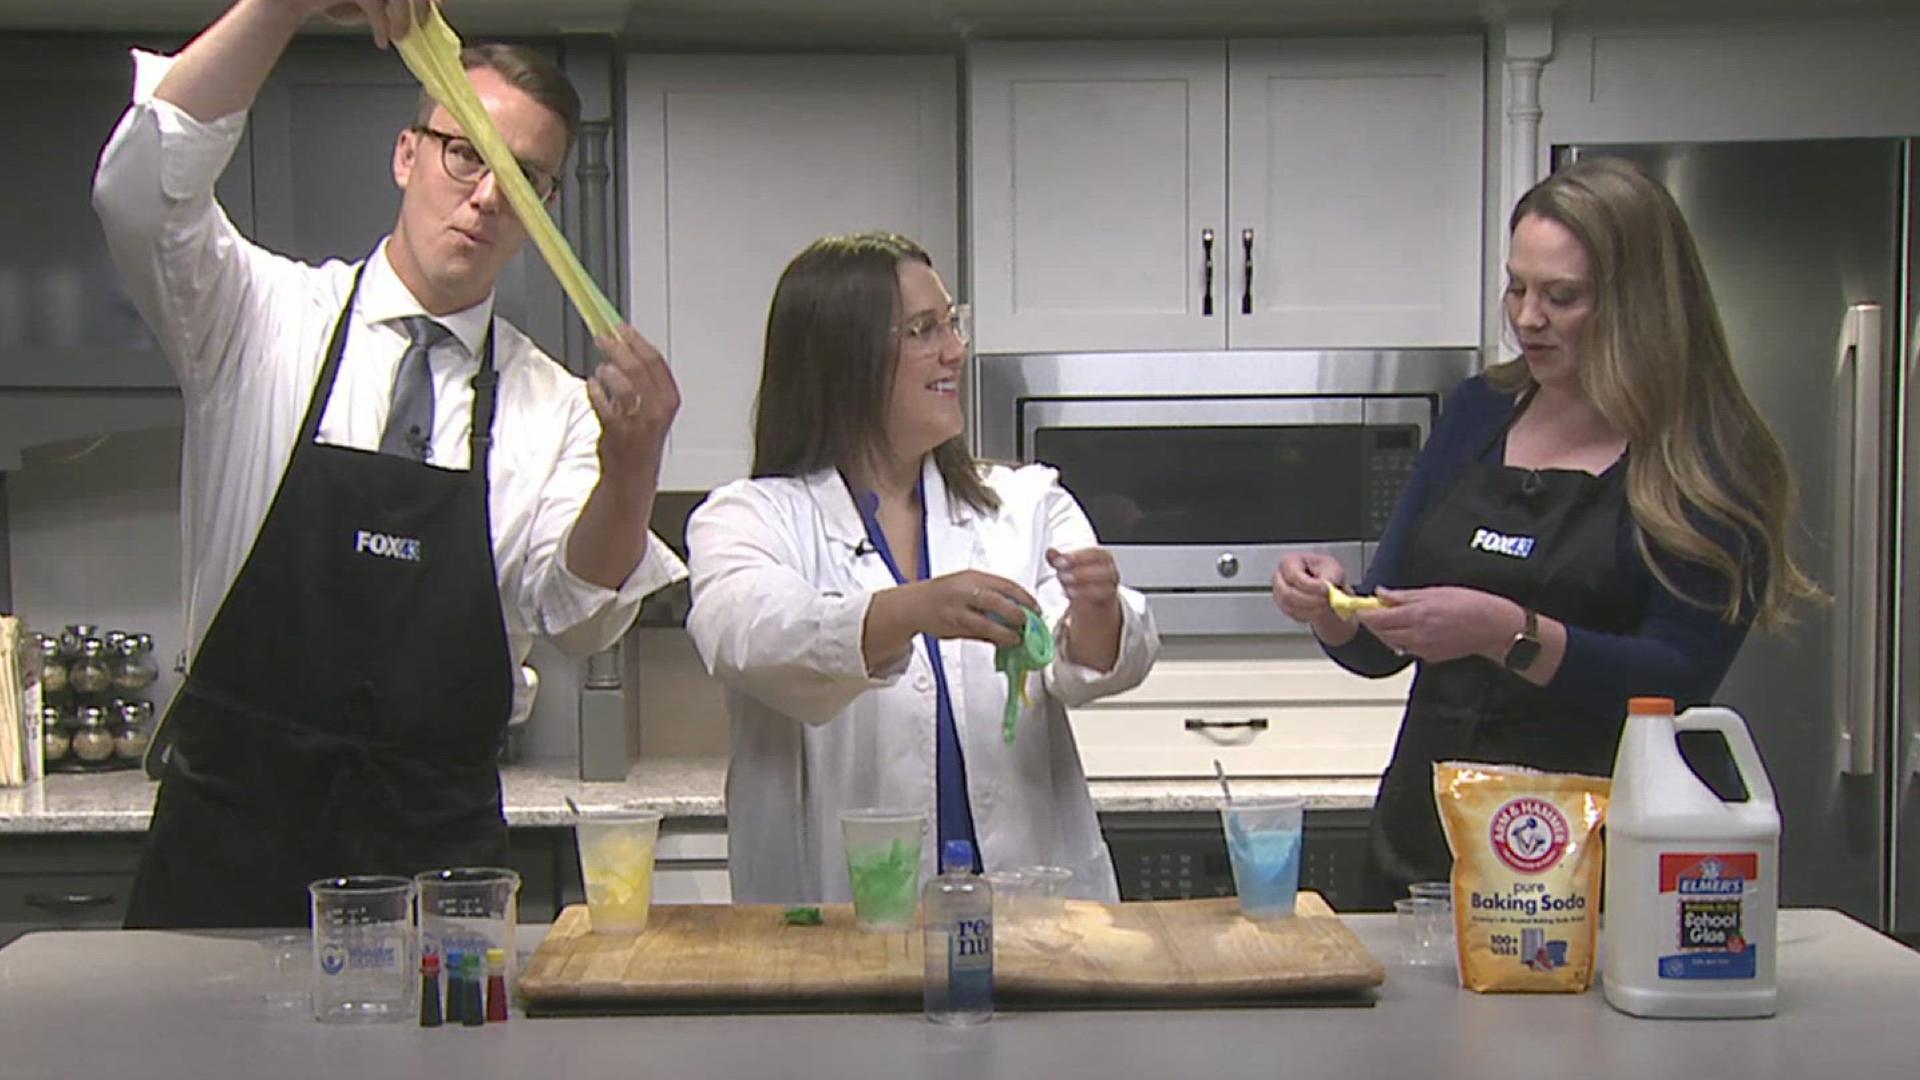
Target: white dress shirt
[[781, 584], [247, 330]]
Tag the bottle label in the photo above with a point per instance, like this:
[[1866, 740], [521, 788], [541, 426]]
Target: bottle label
[[1708, 894], [970, 946]]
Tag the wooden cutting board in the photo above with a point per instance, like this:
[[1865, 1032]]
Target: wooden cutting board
[[710, 957]]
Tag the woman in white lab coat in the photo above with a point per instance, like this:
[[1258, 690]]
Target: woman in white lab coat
[[852, 594]]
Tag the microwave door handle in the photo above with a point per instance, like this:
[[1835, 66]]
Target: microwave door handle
[[1206, 271], [1246, 287], [1856, 531]]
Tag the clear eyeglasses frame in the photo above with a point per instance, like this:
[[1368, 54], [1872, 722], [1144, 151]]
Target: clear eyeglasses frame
[[929, 333]]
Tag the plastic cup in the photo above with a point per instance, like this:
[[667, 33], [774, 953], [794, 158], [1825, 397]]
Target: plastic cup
[[883, 865], [363, 969], [1426, 930], [287, 974], [1046, 888], [1432, 890], [1263, 843], [1009, 896], [616, 865], [469, 909]]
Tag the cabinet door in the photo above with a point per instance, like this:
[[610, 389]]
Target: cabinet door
[[1356, 185], [1096, 170], [66, 326], [734, 165]]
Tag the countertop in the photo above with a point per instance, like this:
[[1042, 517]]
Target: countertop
[[166, 1005], [535, 795]]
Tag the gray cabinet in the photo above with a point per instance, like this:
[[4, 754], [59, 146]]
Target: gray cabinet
[[75, 881]]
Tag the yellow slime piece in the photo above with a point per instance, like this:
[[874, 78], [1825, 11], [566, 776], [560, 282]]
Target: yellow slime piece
[[1344, 604], [432, 52]]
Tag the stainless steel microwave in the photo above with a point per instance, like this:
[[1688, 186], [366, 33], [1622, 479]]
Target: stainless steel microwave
[[1200, 470]]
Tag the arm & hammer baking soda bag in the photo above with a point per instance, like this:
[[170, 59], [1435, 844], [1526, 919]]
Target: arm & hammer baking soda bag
[[1526, 873]]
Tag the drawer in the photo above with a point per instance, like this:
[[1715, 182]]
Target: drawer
[[1282, 717], [1248, 740]]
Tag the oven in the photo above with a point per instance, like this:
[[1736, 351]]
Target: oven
[[1200, 470]]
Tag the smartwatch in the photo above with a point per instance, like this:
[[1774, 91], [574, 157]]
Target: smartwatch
[[1525, 648]]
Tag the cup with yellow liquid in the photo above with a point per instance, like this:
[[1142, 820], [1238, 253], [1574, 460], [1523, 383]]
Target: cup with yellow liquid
[[616, 864]]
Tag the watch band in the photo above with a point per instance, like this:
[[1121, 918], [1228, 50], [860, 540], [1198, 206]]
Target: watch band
[[1525, 647]]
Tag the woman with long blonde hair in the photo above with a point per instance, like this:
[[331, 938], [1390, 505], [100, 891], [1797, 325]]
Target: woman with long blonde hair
[[1600, 517]]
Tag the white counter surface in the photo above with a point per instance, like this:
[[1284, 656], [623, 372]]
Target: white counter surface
[[535, 795]]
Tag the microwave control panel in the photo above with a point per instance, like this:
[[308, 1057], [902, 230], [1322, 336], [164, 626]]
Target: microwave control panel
[[1391, 452]]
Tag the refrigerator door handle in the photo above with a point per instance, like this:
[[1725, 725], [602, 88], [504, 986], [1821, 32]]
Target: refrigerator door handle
[[1857, 526]]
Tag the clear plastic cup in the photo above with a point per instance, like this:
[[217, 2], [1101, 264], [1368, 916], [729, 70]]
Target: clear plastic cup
[[616, 865], [469, 909], [1263, 844], [1046, 888], [286, 986], [1426, 931], [1009, 896], [363, 958], [883, 865]]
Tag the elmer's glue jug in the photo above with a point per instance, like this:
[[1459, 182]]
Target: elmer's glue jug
[[1692, 880]]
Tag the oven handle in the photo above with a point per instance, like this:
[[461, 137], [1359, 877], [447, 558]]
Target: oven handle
[[1206, 271], [1252, 723]]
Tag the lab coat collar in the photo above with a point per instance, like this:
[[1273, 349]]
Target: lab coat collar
[[840, 518]]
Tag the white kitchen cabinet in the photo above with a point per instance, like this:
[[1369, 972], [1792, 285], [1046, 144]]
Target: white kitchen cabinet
[[1252, 194], [734, 165], [1096, 170]]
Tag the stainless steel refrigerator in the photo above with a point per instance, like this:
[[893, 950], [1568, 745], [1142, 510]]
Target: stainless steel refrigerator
[[1809, 247]]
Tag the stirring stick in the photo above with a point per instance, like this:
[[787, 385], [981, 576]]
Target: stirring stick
[[1221, 772]]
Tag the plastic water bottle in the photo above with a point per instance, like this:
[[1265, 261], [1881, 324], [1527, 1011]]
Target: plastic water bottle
[[1692, 879], [958, 906]]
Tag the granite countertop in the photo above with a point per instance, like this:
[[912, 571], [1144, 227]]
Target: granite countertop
[[536, 795]]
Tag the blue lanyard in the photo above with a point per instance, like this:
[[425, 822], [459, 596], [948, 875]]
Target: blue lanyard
[[953, 811]]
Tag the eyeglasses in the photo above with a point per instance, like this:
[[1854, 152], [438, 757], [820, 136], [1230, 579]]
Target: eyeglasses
[[929, 332], [462, 161]]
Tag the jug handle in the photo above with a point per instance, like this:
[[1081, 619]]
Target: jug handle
[[1746, 756]]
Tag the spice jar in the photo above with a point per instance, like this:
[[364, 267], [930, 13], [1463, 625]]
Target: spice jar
[[55, 738], [87, 672], [135, 669], [53, 666], [92, 740], [132, 729], [74, 635]]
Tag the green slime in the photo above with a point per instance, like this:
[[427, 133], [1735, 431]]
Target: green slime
[[885, 884], [1034, 652]]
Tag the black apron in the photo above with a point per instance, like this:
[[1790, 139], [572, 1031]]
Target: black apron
[[1472, 708], [344, 712]]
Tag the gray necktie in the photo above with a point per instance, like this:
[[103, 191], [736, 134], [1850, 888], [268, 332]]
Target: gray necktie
[[409, 431]]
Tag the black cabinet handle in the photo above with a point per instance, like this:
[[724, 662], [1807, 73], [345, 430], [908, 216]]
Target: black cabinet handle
[[1246, 291], [1256, 723], [67, 902], [1206, 271]]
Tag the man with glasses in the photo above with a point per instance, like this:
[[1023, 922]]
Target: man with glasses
[[387, 491]]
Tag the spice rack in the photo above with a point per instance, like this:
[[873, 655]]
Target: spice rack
[[96, 715]]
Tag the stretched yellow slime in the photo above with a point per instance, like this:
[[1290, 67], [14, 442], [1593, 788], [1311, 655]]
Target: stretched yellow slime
[[1344, 604], [432, 52]]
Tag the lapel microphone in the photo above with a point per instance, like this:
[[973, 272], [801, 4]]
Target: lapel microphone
[[863, 549], [1532, 484]]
